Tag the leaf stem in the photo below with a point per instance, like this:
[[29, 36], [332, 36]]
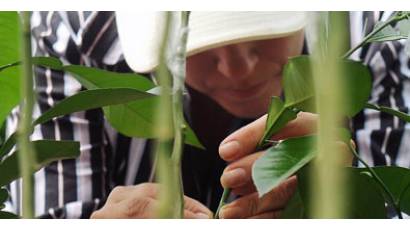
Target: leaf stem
[[379, 181], [26, 149], [394, 18], [222, 202], [227, 191]]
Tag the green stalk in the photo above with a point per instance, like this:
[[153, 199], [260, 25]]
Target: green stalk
[[177, 66], [376, 177], [171, 123], [26, 149], [328, 194], [165, 132]]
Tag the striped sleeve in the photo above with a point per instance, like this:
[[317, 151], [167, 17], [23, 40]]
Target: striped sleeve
[[71, 188], [383, 139]]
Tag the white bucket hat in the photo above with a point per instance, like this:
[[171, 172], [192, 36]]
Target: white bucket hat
[[140, 33]]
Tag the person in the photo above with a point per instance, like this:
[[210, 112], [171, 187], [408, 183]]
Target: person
[[229, 86]]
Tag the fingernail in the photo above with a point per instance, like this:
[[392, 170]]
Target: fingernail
[[201, 215], [234, 177], [229, 149]]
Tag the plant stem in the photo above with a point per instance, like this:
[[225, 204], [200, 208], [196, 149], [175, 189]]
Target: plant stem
[[171, 123], [165, 132], [392, 19], [222, 202], [178, 69], [26, 149], [328, 193], [379, 181], [227, 191]]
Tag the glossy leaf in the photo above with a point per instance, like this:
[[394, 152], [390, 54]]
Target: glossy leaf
[[298, 84], [7, 145], [134, 119], [397, 180], [8, 215], [281, 161], [364, 198], [299, 89], [48, 62], [10, 53], [294, 208], [47, 151], [93, 78], [91, 99], [405, 117], [278, 117], [358, 85], [3, 195], [400, 31]]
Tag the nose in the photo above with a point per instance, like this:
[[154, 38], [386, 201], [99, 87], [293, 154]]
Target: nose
[[236, 61]]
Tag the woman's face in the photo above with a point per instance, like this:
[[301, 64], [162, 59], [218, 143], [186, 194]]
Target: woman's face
[[243, 77]]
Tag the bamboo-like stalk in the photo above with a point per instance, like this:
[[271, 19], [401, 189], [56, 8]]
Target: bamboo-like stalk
[[171, 123], [177, 67], [328, 180], [26, 149]]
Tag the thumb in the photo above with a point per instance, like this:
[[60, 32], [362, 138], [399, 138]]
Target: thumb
[[194, 206]]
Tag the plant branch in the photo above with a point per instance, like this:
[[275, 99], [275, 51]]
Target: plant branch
[[376, 177], [26, 150], [394, 18]]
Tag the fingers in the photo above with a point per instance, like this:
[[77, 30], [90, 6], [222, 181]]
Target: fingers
[[244, 141], [140, 207], [195, 207], [251, 205], [121, 193], [239, 173], [304, 124], [140, 201], [268, 215]]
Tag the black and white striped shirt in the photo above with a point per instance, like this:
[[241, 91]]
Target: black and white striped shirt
[[75, 188]]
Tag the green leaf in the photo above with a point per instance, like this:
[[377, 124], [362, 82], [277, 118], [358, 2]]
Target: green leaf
[[364, 198], [358, 85], [405, 117], [294, 208], [93, 78], [190, 138], [281, 161], [8, 145], [8, 215], [278, 117], [48, 62], [3, 195], [298, 84], [47, 151], [366, 201], [299, 89], [389, 33], [397, 180], [91, 99], [134, 119], [10, 53], [137, 119]]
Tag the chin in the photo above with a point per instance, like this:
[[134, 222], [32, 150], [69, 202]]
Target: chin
[[245, 112]]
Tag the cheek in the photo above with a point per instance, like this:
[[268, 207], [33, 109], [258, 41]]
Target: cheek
[[198, 72]]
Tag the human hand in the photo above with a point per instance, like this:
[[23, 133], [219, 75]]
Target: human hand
[[141, 201], [238, 148]]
